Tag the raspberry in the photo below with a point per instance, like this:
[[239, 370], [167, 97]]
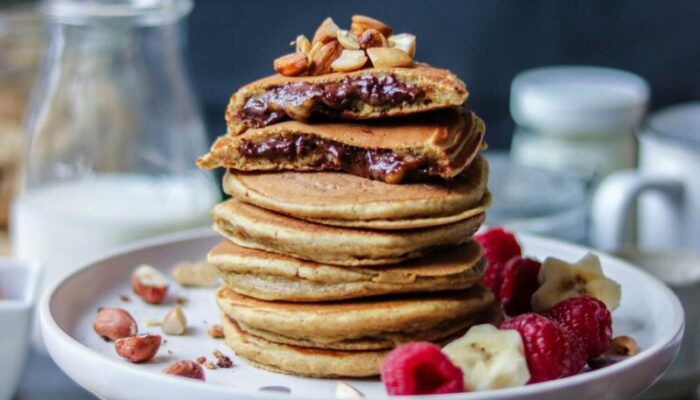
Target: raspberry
[[586, 318], [420, 368], [499, 247], [519, 283], [551, 351]]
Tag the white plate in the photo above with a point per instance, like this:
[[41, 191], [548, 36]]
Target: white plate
[[649, 312]]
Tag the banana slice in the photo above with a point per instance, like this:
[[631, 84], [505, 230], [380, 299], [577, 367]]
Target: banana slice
[[560, 280], [489, 358]]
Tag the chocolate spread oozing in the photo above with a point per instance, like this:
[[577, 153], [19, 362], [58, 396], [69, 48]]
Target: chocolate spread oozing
[[379, 164], [299, 100]]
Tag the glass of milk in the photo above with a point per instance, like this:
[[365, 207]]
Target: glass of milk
[[114, 130]]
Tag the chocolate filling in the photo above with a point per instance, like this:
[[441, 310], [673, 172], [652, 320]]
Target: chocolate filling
[[299, 100], [379, 164]]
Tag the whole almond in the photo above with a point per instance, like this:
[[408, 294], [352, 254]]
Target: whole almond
[[186, 369], [326, 32], [387, 57], [372, 38], [324, 57], [138, 349], [292, 64], [404, 42], [349, 60], [361, 23], [114, 323]]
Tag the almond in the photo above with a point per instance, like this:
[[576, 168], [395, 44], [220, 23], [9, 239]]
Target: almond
[[114, 323], [324, 57], [326, 32], [349, 60], [348, 40], [389, 57], [292, 64], [175, 322], [149, 284], [372, 38], [186, 369], [361, 23], [314, 49], [195, 274], [303, 45], [138, 349], [404, 42]]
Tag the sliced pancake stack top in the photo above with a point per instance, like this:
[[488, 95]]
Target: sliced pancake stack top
[[355, 191]]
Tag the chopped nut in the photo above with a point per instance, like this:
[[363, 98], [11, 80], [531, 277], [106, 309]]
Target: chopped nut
[[114, 323], [314, 49], [302, 44], [209, 365], [349, 60], [404, 42], [326, 32], [149, 284], [216, 331], [174, 322], [292, 64], [138, 349], [324, 57], [389, 57], [124, 298], [200, 273], [372, 38], [222, 361], [152, 323], [201, 359], [361, 23], [186, 369], [348, 40], [624, 346]]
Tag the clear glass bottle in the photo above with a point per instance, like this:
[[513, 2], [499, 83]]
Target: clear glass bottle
[[114, 130]]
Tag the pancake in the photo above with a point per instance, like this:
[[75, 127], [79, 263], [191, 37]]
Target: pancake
[[365, 324], [317, 363], [253, 227], [345, 200], [270, 276], [365, 94], [440, 144]]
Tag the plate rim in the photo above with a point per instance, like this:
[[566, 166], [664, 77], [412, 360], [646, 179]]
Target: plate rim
[[49, 326]]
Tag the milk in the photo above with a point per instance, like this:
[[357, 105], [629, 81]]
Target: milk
[[65, 224]]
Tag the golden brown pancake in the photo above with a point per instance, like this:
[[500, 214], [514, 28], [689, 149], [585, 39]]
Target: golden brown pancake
[[270, 276], [339, 199], [253, 227], [440, 144], [396, 92], [363, 324]]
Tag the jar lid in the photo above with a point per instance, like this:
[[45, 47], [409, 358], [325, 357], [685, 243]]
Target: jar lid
[[578, 100], [680, 123], [142, 12]]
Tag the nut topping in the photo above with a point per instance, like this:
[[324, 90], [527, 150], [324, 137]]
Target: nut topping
[[348, 40], [404, 42], [149, 284], [361, 23], [174, 322], [302, 44], [138, 349], [199, 273], [326, 32], [372, 38], [349, 60], [114, 323], [292, 64], [324, 57], [186, 369], [389, 57]]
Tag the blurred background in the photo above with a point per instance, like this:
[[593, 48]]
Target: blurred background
[[575, 177]]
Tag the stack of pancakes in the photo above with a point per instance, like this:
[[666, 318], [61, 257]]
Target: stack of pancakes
[[350, 222]]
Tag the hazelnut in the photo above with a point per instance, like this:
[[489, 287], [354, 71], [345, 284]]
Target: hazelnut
[[186, 369], [372, 38], [361, 23], [388, 57], [175, 322], [138, 349], [624, 346], [149, 284], [349, 60], [114, 323], [216, 331]]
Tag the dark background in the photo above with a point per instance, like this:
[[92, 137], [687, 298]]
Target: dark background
[[485, 42]]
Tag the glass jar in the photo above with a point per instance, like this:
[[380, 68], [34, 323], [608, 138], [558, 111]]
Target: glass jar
[[114, 130], [577, 119]]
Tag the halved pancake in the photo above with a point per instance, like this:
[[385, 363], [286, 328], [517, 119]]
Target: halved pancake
[[334, 198], [434, 145], [365, 94], [270, 276], [253, 227], [313, 362], [363, 324]]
